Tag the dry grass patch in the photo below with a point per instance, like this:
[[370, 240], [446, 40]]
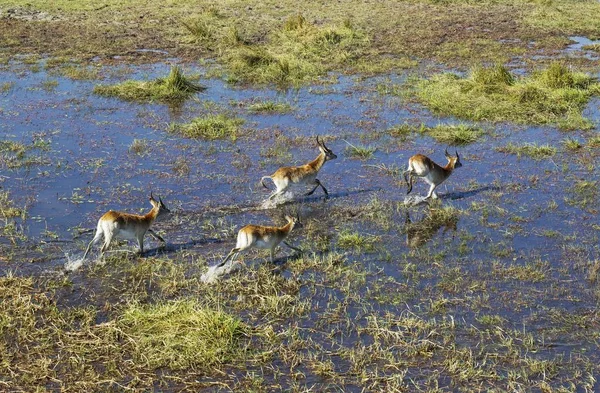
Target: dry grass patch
[[182, 334]]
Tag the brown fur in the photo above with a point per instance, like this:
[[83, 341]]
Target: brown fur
[[118, 224], [284, 177], [262, 237], [434, 174]]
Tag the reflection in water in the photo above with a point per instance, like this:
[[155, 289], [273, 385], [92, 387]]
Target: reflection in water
[[420, 232]]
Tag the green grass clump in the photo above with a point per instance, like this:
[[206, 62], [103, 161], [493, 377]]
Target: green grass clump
[[594, 141], [8, 208], [360, 152], [592, 47], [6, 87], [175, 87], [297, 53], [270, 107], [450, 134], [455, 135], [572, 144], [79, 73], [553, 96], [533, 150], [181, 334], [210, 127], [355, 241]]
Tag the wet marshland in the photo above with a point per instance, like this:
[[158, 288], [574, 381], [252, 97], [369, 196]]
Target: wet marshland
[[493, 286]]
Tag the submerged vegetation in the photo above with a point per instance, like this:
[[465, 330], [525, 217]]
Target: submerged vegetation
[[174, 87], [555, 95]]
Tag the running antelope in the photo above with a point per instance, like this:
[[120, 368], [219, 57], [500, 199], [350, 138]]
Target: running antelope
[[262, 237], [115, 224], [422, 166], [305, 174]]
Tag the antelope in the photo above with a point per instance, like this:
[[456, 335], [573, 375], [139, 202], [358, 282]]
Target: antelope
[[266, 237], [284, 177], [128, 226], [422, 166]]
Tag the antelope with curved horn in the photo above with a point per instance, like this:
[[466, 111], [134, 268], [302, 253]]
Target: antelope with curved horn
[[422, 166], [305, 174], [259, 236], [114, 224]]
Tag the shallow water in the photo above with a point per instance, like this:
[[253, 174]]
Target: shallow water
[[514, 211]]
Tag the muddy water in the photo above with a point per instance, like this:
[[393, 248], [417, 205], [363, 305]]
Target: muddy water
[[514, 210]]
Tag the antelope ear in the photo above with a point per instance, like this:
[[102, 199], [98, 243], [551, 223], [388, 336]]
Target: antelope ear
[[289, 218]]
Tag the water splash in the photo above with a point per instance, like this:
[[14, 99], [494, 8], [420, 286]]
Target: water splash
[[215, 272], [415, 200], [72, 264], [278, 200]]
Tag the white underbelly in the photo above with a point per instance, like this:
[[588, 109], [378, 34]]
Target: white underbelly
[[126, 234]]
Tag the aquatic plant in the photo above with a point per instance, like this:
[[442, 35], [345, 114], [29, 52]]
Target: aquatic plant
[[210, 127], [533, 150], [174, 87], [269, 107]]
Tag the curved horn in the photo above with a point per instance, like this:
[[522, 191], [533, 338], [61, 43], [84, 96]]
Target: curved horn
[[456, 153], [446, 153], [151, 196], [320, 143]]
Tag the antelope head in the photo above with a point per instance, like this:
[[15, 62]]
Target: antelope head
[[453, 160], [329, 155], [160, 206]]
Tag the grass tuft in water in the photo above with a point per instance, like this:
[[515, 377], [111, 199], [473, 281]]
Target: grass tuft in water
[[182, 334], [555, 96], [270, 107], [360, 152], [139, 147], [6, 87], [450, 134], [572, 144], [454, 135], [210, 127], [355, 241], [8, 208], [175, 87], [533, 150]]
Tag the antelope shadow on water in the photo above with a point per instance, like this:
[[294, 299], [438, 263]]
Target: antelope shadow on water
[[422, 231]]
